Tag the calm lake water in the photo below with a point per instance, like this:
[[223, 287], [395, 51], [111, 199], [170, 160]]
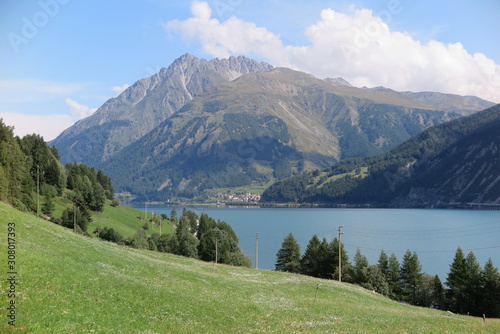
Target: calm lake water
[[433, 234]]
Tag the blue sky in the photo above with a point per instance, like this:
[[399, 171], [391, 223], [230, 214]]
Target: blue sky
[[62, 59]]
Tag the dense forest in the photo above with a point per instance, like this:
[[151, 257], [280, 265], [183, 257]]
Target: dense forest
[[469, 289], [31, 176]]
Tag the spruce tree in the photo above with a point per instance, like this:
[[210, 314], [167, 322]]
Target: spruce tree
[[360, 268], [410, 277], [288, 257], [438, 294], [490, 291], [392, 277], [456, 282], [473, 285], [383, 263], [310, 259]]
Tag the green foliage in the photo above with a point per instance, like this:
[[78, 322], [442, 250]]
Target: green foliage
[[490, 294], [376, 281], [28, 164], [16, 184], [140, 240], [456, 283], [48, 206], [108, 234], [410, 277], [360, 268], [73, 217], [85, 181], [288, 257]]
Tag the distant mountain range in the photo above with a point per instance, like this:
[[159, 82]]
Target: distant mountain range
[[201, 125], [452, 164]]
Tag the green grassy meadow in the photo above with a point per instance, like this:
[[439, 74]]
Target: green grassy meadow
[[68, 283], [123, 219]]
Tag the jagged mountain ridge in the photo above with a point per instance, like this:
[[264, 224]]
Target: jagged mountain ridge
[[264, 126], [317, 122], [122, 120]]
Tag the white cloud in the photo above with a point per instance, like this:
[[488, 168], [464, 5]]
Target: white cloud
[[78, 110], [119, 89], [48, 126], [358, 46], [35, 90], [42, 95]]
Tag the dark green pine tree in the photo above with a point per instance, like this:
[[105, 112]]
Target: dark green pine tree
[[438, 294], [325, 260], [473, 284], [186, 242], [310, 260], [456, 282], [383, 263], [205, 233], [392, 277], [288, 257], [490, 305], [410, 277], [360, 268], [49, 206]]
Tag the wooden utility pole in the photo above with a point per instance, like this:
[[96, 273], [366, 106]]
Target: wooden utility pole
[[216, 249], [340, 251], [37, 191], [257, 237]]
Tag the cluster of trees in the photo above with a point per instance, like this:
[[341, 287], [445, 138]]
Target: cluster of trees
[[31, 175], [23, 162], [197, 237], [470, 289]]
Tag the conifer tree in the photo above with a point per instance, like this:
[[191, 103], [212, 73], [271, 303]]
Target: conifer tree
[[438, 294], [310, 259], [473, 284], [410, 277], [392, 276], [456, 282], [360, 268], [288, 257], [383, 263], [490, 305]]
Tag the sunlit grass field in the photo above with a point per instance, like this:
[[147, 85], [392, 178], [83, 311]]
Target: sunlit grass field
[[68, 283]]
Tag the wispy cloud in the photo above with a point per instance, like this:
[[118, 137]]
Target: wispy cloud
[[36, 90], [77, 110], [356, 45], [119, 89], [48, 126], [23, 94]]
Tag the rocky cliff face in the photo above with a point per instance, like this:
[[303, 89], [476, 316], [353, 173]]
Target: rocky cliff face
[[136, 111]]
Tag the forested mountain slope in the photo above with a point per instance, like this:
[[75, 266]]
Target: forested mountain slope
[[454, 163]]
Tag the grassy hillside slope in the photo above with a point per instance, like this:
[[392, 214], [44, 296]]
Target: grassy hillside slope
[[66, 283], [123, 219]]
